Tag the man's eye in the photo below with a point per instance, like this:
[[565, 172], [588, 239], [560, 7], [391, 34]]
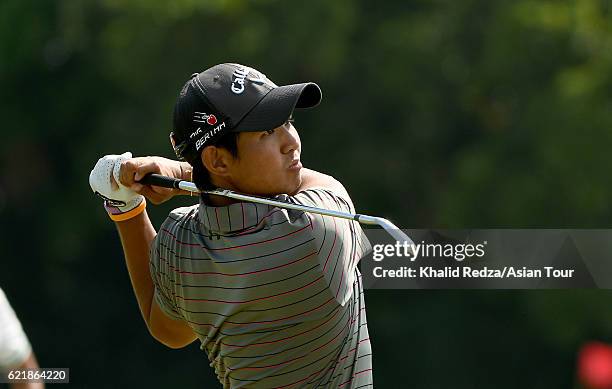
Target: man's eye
[[269, 132]]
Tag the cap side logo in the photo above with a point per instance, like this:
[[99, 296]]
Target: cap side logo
[[202, 117]]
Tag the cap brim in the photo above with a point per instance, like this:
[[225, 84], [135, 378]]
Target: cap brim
[[278, 105]]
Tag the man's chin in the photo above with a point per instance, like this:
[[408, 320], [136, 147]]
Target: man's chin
[[296, 188], [291, 191], [290, 187]]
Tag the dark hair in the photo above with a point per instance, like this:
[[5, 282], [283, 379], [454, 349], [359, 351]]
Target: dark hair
[[200, 175]]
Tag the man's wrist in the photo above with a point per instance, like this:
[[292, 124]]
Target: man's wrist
[[186, 171], [119, 214]]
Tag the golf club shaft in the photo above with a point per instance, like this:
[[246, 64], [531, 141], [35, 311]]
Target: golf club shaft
[[169, 182]]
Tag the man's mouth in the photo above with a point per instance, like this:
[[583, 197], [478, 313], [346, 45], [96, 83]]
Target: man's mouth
[[295, 164]]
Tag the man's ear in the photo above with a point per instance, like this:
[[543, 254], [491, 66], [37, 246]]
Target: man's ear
[[216, 160]]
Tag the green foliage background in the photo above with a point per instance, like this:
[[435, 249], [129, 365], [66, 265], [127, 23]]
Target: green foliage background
[[472, 113]]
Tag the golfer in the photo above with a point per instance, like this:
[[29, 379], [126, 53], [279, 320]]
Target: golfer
[[273, 295]]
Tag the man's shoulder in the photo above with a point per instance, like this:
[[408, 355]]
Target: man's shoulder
[[312, 179], [177, 228], [323, 191], [179, 216], [326, 197]]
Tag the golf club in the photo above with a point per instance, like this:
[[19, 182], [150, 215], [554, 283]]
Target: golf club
[[169, 182]]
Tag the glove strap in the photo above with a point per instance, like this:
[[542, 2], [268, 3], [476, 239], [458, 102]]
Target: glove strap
[[117, 215]]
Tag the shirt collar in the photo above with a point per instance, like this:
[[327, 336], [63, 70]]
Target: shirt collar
[[234, 217]]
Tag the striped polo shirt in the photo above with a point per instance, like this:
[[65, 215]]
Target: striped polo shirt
[[274, 295]]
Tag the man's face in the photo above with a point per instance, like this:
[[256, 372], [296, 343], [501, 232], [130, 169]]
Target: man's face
[[268, 162]]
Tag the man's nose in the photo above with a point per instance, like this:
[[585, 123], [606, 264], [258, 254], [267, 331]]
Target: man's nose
[[291, 139]]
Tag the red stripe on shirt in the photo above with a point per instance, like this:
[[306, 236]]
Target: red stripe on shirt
[[255, 243], [303, 379], [175, 269], [249, 301], [300, 357], [281, 319], [341, 279], [282, 339], [297, 382], [168, 232], [359, 372], [233, 324], [248, 230], [353, 349]]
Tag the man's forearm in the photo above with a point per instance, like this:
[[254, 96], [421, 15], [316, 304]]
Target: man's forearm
[[136, 237], [137, 232]]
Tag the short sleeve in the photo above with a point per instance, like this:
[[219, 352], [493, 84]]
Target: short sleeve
[[14, 345], [340, 243], [162, 266]]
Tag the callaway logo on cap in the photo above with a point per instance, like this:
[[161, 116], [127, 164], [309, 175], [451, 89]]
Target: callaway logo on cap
[[236, 98]]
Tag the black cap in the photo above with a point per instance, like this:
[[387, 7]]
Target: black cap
[[232, 98]]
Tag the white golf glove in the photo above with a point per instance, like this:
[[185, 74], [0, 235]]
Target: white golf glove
[[122, 203]]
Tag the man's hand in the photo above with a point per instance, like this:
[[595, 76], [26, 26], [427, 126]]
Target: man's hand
[[121, 201], [133, 170]]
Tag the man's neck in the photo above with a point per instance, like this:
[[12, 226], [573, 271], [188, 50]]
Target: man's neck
[[217, 201], [220, 201]]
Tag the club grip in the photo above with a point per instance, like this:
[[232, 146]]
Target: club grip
[[159, 180]]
